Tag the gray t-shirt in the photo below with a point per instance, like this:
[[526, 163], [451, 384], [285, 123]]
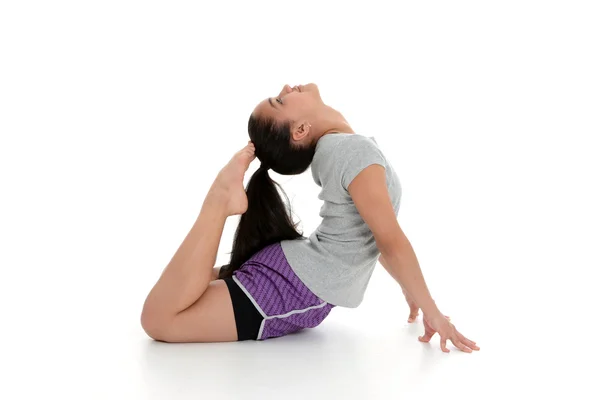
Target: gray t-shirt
[[337, 260]]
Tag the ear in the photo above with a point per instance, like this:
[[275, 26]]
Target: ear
[[300, 130]]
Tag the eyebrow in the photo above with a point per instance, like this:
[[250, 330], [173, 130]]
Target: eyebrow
[[271, 103]]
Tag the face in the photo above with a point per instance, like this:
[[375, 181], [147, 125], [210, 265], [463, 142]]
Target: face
[[299, 104]]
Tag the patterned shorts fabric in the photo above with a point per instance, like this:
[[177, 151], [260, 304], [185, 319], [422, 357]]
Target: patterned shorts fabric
[[284, 302]]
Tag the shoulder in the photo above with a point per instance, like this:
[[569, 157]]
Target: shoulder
[[354, 153]]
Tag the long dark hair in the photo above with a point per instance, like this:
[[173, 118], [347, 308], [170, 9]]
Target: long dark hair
[[268, 219]]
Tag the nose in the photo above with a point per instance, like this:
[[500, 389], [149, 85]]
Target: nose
[[286, 89]]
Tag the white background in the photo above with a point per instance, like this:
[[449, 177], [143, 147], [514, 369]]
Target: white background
[[116, 116]]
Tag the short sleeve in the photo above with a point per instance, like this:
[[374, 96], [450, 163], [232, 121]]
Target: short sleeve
[[357, 154]]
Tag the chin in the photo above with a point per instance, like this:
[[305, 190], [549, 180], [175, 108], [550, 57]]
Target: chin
[[309, 87]]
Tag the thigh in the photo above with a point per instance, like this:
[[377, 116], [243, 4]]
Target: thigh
[[210, 319]]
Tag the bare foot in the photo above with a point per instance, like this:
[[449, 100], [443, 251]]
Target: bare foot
[[229, 184]]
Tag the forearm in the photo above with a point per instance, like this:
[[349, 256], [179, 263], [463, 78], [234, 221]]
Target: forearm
[[402, 264], [385, 265]]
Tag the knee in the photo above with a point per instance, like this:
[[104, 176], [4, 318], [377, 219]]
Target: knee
[[154, 325]]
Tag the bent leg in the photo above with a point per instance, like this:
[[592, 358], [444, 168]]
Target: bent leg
[[188, 275], [189, 272]]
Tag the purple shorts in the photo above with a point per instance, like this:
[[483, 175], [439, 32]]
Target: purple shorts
[[269, 300]]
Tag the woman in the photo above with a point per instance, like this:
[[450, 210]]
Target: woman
[[278, 281]]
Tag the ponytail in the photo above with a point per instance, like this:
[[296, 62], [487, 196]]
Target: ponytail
[[266, 221]]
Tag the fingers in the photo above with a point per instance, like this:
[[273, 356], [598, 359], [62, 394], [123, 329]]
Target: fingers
[[414, 312], [429, 332], [443, 345], [468, 342], [448, 333], [427, 336], [412, 317], [456, 342], [462, 343]]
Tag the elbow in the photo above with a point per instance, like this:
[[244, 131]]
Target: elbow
[[392, 245]]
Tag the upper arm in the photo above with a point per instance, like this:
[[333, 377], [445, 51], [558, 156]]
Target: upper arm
[[372, 200]]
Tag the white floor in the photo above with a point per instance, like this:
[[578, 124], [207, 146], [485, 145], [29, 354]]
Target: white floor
[[93, 348]]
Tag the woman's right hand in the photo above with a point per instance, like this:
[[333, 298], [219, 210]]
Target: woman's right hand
[[447, 331]]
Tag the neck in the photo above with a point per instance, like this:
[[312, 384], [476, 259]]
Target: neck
[[334, 122]]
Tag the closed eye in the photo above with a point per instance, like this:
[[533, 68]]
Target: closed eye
[[279, 100]]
